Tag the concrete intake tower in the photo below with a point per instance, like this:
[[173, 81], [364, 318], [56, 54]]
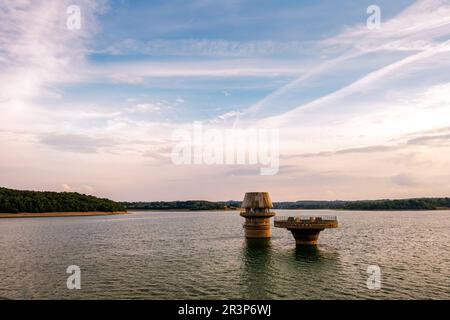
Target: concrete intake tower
[[256, 211]]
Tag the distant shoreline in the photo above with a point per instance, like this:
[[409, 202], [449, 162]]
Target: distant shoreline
[[59, 214], [412, 204], [183, 210], [131, 210]]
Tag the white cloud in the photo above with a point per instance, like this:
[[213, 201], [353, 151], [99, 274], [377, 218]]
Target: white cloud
[[226, 116], [207, 48], [431, 24], [406, 97], [369, 81], [66, 187], [37, 48], [39, 53], [88, 188], [137, 72], [147, 107]]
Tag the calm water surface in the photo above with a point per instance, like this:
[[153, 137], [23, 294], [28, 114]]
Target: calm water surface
[[193, 255]]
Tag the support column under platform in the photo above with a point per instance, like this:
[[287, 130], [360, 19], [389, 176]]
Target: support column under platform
[[306, 237]]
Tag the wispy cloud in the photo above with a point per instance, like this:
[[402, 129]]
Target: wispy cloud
[[396, 34], [136, 72], [208, 48], [405, 180], [37, 48], [76, 143], [420, 139]]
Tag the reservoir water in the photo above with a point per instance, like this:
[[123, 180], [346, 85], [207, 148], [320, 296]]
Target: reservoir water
[[203, 255]]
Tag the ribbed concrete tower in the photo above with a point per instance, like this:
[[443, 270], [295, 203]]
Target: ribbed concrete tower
[[256, 211]]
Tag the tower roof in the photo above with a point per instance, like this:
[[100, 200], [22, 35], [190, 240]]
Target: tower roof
[[257, 200]]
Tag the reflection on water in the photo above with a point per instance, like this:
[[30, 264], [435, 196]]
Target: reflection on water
[[307, 253], [257, 260], [269, 272], [316, 257]]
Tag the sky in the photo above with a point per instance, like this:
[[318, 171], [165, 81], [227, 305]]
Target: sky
[[361, 111]]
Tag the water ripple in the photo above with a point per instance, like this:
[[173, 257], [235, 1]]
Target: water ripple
[[203, 255]]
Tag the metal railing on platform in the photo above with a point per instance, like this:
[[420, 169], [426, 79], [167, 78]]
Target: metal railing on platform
[[306, 219]]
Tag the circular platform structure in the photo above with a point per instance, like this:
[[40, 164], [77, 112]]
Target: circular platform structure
[[306, 229]]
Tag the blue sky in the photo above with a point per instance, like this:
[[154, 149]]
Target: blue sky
[[206, 31], [236, 20], [362, 113]]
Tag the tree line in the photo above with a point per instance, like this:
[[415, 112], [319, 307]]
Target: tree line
[[177, 205], [385, 204], [14, 201]]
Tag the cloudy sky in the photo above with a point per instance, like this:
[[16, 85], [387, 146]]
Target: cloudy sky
[[362, 113]]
